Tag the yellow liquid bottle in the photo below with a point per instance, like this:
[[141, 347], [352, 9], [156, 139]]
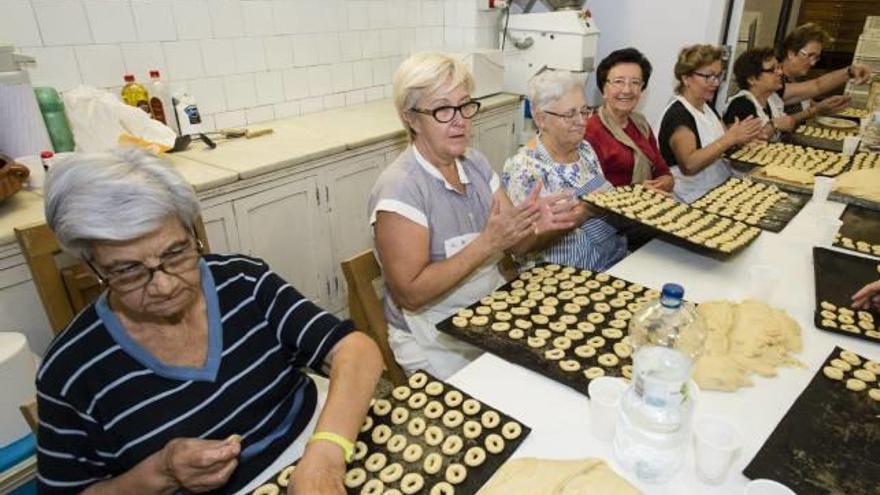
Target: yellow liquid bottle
[[135, 94]]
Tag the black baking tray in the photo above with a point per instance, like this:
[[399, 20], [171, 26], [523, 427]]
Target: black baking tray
[[860, 224], [838, 276], [827, 443], [854, 200], [673, 238], [518, 351], [781, 213], [476, 476]]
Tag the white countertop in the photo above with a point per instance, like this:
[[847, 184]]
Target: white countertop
[[559, 416], [294, 141]]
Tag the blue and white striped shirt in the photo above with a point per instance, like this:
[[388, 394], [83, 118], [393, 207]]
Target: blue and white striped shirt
[[106, 403], [593, 245]]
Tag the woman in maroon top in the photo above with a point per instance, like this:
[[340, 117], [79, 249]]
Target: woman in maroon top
[[622, 137]]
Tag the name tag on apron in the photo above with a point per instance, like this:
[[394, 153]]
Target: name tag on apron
[[455, 244]]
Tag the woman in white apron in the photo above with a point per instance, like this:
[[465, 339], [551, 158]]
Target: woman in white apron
[[759, 75], [440, 220], [692, 137]]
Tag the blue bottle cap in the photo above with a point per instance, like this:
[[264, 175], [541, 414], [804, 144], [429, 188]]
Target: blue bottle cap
[[671, 295]]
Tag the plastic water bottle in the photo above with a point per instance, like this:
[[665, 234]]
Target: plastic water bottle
[[653, 429]]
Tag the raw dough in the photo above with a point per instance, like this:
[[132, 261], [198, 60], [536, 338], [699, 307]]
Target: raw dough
[[416, 427], [490, 419], [456, 473], [401, 392], [268, 489], [453, 398], [529, 476], [472, 429], [355, 477], [511, 430], [474, 456], [418, 380], [412, 452], [375, 462], [452, 445], [433, 463], [411, 483], [399, 415], [470, 407], [494, 443], [391, 473], [434, 388]]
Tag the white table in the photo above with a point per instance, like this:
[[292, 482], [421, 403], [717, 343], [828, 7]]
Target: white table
[[559, 416]]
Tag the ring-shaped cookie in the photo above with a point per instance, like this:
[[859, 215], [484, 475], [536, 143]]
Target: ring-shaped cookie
[[401, 392], [355, 477], [536, 342], [381, 434], [554, 354], [568, 319], [396, 443], [556, 326], [502, 316], [399, 415], [586, 327], [360, 450], [391, 473], [411, 483], [453, 418], [474, 456], [569, 365], [601, 307], [433, 462], [595, 318], [433, 436], [368, 423], [453, 398], [456, 473], [418, 380], [622, 349], [593, 372], [500, 326], [267, 489], [563, 343], [470, 406], [585, 351], [417, 400], [375, 462], [284, 477], [434, 388], [416, 426], [612, 333], [490, 419], [472, 429], [494, 443], [373, 487], [596, 341], [412, 452], [451, 445], [382, 407], [539, 319], [434, 409]]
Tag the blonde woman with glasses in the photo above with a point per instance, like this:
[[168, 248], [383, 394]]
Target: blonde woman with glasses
[[440, 219], [692, 137], [561, 161], [186, 375]]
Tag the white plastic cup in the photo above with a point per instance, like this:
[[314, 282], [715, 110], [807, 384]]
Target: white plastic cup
[[763, 280], [822, 188], [851, 144], [767, 487], [827, 226], [605, 394], [716, 441]]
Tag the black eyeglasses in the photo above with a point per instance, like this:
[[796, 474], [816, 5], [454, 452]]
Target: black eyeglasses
[[573, 115], [711, 77], [134, 276], [446, 113]]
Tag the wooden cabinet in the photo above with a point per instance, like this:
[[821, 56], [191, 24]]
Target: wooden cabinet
[[496, 138], [221, 228], [283, 225], [843, 19]]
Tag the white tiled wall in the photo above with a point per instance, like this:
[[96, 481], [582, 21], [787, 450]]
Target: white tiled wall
[[245, 61]]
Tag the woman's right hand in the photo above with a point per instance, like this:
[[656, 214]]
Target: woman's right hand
[[867, 296], [744, 131], [200, 465], [506, 227]]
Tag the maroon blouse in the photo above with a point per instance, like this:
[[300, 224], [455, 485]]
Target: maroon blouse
[[616, 158]]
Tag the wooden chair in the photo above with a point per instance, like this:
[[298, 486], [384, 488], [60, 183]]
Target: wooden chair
[[366, 308], [29, 411], [63, 290]]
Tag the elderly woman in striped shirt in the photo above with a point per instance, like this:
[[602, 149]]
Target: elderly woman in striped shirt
[[185, 375], [561, 160]]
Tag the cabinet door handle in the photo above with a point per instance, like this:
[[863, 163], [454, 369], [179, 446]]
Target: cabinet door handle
[[328, 288], [326, 194], [318, 195], [336, 279]]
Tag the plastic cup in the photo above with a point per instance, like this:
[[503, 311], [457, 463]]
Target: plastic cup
[[767, 487], [605, 394], [763, 280], [851, 144], [822, 188], [827, 225], [716, 441]]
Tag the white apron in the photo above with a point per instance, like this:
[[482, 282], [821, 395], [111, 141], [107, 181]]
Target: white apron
[[777, 106], [689, 188], [424, 346]]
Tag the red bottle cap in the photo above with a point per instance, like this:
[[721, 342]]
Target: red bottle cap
[[129, 78], [154, 73], [46, 154]]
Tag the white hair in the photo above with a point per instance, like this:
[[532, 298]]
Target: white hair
[[549, 85], [426, 73], [114, 196]]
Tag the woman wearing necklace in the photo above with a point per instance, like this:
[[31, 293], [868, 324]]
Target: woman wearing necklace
[[759, 75], [692, 137], [561, 160]]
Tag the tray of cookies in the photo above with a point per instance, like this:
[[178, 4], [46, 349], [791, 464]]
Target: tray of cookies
[[860, 231], [838, 276], [426, 437], [807, 159], [691, 227], [827, 442], [852, 113], [566, 324], [863, 160], [755, 203], [819, 137]]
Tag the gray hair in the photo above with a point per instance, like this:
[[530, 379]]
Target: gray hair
[[426, 73], [549, 85], [114, 196]]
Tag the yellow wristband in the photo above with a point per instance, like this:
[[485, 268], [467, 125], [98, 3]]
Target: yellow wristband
[[344, 443]]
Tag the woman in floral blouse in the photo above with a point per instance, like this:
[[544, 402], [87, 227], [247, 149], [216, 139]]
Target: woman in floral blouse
[[563, 161]]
